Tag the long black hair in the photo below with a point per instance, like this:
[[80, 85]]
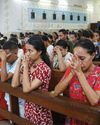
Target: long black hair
[[36, 41]]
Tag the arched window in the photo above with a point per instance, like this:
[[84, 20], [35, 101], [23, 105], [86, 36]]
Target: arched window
[[44, 16], [71, 17], [54, 16], [32, 15], [63, 16], [78, 18], [84, 18]]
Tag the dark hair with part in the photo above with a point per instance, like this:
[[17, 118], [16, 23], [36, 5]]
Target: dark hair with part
[[86, 44], [14, 39], [38, 44], [63, 44], [10, 45]]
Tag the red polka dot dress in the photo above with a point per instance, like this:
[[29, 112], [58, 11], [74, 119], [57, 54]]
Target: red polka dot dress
[[33, 112]]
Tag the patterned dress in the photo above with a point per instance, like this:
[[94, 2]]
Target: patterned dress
[[76, 91], [33, 112]]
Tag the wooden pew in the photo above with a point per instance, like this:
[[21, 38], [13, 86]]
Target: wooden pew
[[59, 104], [63, 105], [56, 76]]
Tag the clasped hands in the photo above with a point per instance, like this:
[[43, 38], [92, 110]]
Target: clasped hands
[[75, 64]]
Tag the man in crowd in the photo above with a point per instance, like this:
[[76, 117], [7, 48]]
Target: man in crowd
[[63, 35]]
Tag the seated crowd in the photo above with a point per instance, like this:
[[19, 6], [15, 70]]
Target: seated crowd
[[28, 60]]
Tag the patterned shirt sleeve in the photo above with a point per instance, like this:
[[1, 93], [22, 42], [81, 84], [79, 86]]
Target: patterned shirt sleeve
[[97, 84], [68, 70]]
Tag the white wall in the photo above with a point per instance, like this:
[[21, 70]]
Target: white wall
[[1, 16], [96, 12], [14, 14]]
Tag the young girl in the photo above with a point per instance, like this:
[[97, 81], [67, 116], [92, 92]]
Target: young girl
[[83, 78], [61, 55], [36, 74]]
